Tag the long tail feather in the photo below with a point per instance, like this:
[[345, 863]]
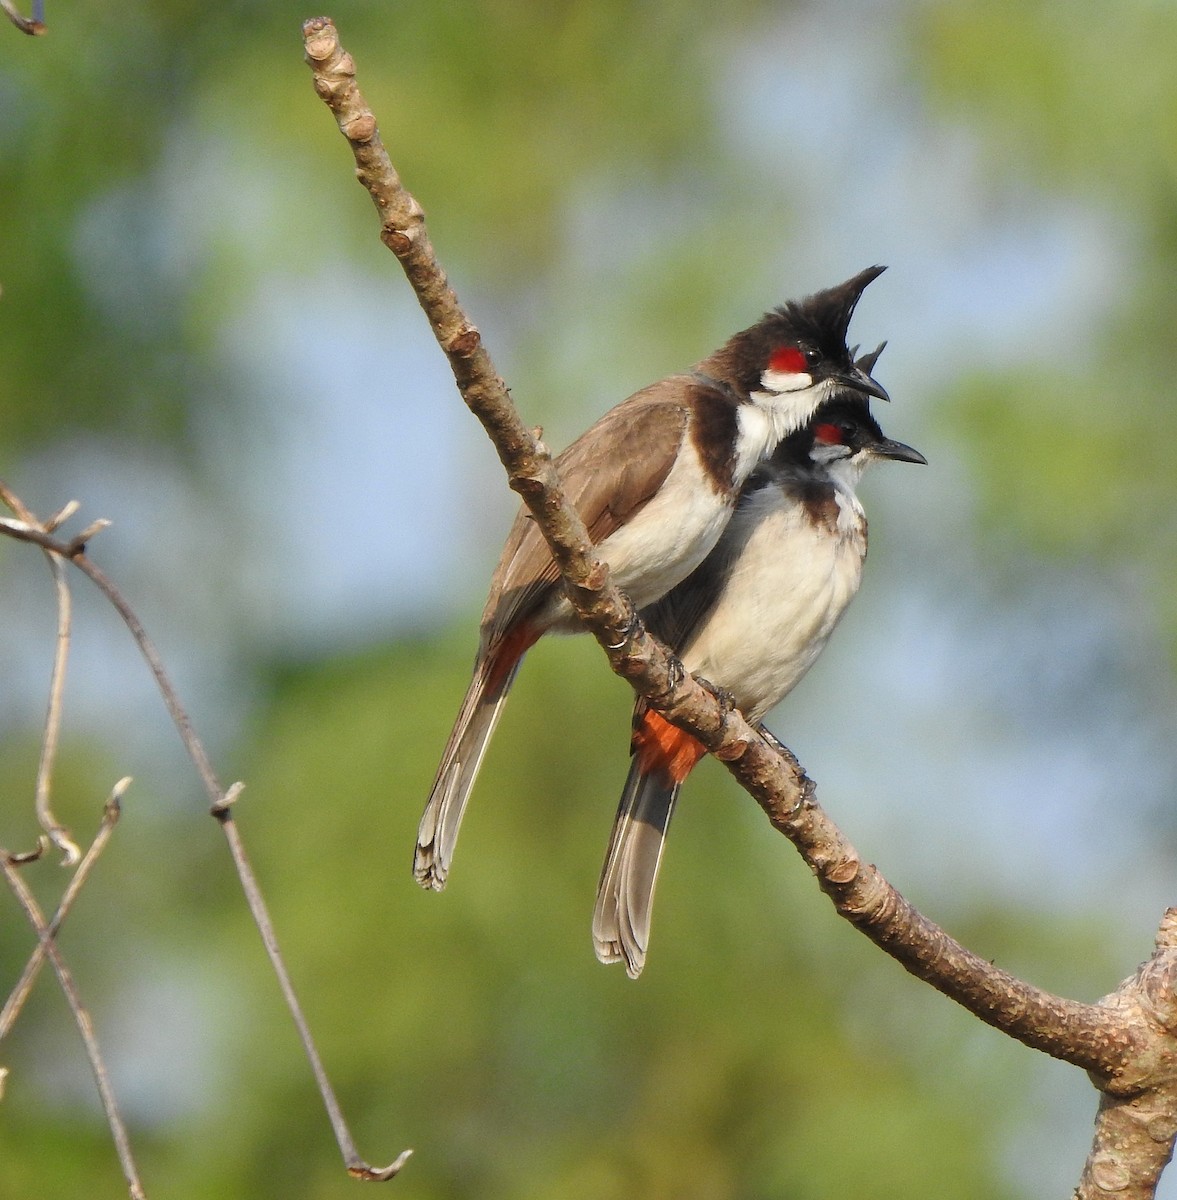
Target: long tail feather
[[663, 756], [463, 755], [625, 895]]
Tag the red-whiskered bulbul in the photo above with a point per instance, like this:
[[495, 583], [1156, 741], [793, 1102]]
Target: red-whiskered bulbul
[[750, 620], [655, 481]]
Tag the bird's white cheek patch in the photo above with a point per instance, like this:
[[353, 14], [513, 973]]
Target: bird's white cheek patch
[[785, 381]]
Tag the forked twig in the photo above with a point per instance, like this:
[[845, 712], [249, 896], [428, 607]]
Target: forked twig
[[8, 864], [24, 985], [220, 801], [220, 806]]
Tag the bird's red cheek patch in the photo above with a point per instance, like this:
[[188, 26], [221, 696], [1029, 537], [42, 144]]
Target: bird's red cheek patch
[[830, 434], [788, 360]]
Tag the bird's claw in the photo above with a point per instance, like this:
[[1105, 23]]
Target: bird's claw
[[727, 702]]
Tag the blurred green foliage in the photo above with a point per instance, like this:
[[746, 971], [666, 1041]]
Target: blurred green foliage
[[765, 1052], [1068, 96]]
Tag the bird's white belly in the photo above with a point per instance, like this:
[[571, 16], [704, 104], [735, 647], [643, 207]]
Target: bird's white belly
[[791, 584]]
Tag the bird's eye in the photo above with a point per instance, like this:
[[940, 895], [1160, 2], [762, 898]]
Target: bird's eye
[[812, 356]]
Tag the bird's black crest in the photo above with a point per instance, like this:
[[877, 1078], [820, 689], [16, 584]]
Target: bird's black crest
[[825, 316], [820, 320], [866, 362]]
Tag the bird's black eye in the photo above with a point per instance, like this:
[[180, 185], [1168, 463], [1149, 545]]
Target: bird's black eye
[[812, 356]]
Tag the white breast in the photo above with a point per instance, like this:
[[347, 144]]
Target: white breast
[[671, 535], [787, 403], [790, 583]]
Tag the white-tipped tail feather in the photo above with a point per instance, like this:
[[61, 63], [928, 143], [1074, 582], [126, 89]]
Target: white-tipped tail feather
[[460, 762], [625, 894]]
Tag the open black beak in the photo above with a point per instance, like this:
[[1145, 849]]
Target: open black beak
[[886, 448], [860, 381]]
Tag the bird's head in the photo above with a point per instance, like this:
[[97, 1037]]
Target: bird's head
[[796, 357]]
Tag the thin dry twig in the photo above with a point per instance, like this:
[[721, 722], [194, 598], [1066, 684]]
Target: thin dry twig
[[35, 25], [58, 834], [24, 985], [220, 800], [1096, 1037], [9, 866]]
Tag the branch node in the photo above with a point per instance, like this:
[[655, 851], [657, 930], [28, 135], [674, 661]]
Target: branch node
[[21, 858], [397, 240], [595, 580], [34, 26], [71, 852], [1109, 1174], [361, 1170], [114, 802], [77, 545], [1167, 933], [464, 343], [58, 519], [527, 485], [320, 39], [731, 753], [361, 128], [232, 792], [845, 871]]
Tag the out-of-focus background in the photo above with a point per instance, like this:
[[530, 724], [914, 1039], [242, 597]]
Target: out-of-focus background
[[202, 339]]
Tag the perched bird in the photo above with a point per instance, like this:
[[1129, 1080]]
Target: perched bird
[[750, 620], [655, 481]]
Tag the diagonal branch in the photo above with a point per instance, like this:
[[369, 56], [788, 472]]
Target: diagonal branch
[[1090, 1036], [24, 985], [9, 866]]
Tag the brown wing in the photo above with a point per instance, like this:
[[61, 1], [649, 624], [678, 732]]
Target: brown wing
[[608, 473]]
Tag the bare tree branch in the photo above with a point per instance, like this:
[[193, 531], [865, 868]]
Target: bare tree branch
[[24, 985], [1100, 1038], [356, 1166], [34, 25], [57, 832], [221, 800], [1136, 1125], [9, 864]]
